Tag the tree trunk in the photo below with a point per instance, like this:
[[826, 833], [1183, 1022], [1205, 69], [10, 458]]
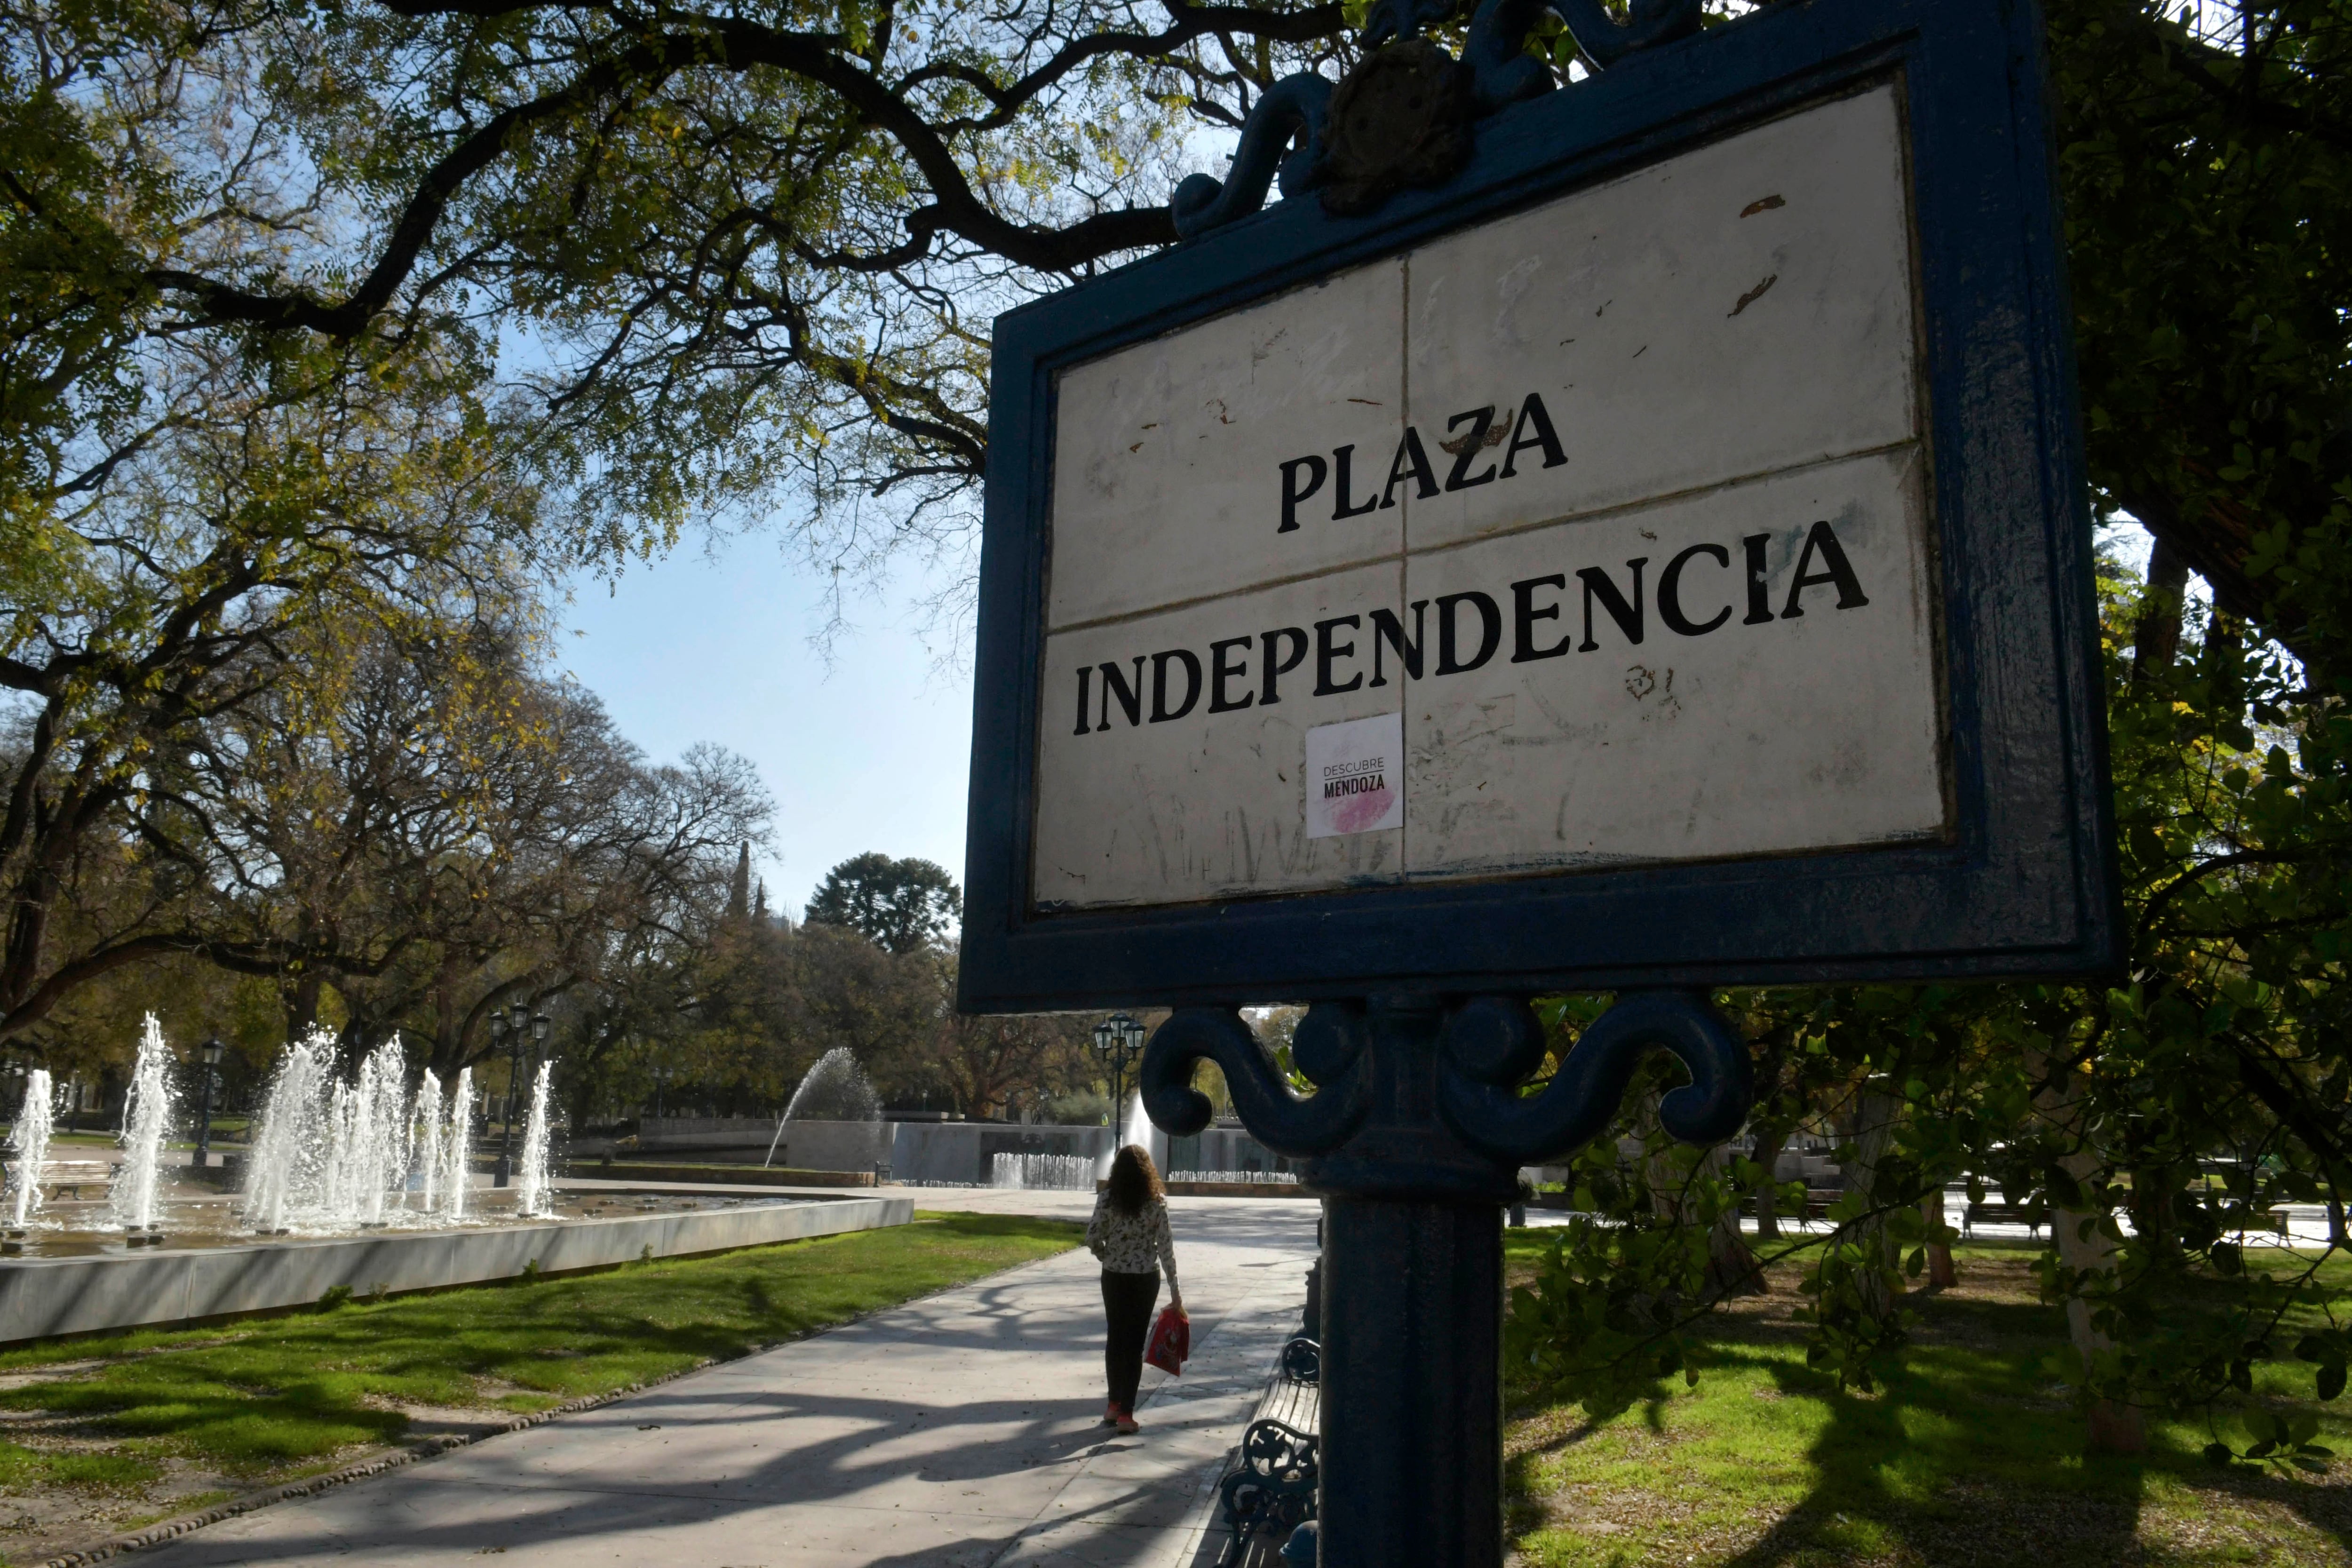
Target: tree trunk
[[1731, 1267], [1941, 1274], [1875, 1114], [2114, 1428], [2156, 641], [2153, 1188], [301, 1000], [1769, 1141]]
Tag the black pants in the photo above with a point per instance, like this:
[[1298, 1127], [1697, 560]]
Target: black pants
[[1127, 1300]]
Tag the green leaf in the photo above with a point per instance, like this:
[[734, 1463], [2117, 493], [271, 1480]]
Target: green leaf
[[2219, 1454]]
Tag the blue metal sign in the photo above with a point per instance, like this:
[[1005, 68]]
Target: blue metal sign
[[1924, 800]]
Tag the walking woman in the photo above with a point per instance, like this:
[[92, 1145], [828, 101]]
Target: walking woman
[[1129, 1233]]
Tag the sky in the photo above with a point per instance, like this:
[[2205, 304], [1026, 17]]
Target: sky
[[870, 753]]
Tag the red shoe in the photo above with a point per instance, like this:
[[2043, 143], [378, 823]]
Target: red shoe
[[1110, 1415], [1126, 1427]]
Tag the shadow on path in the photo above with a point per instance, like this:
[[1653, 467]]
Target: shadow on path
[[834, 1451]]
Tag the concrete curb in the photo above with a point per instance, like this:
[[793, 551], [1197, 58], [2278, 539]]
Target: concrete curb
[[51, 1297]]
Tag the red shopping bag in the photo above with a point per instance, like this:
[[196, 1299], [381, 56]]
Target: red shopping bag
[[1171, 1342]]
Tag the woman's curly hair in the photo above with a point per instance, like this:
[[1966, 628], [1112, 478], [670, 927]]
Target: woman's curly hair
[[1134, 1179]]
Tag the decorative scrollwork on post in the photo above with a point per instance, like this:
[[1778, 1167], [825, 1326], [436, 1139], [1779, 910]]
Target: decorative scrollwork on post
[[1330, 1049], [1492, 1043], [1413, 1139], [1417, 1097]]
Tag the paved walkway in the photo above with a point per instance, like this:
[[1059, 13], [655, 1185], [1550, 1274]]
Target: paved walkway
[[955, 1432]]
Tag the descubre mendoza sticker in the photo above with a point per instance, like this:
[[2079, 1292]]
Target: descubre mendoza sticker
[[1355, 776]]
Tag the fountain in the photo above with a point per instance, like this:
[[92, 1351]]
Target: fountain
[[332, 1156], [835, 1088], [146, 1120], [455, 1149], [1137, 1129], [1044, 1173], [531, 1190], [28, 1148], [368, 1154], [438, 1173], [357, 1184], [281, 1170], [425, 1173]]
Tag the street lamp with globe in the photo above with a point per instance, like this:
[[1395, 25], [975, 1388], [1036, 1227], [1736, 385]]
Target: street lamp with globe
[[1120, 1039], [512, 1024], [500, 1173]]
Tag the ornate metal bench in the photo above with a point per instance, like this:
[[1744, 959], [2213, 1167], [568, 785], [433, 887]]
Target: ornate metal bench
[[1975, 1214], [1270, 1490]]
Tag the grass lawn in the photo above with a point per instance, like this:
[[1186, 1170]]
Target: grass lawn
[[1971, 1455], [106, 1430]]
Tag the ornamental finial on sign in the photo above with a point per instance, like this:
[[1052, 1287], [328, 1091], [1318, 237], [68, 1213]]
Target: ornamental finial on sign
[[1400, 21], [1495, 50], [1403, 116], [1291, 109]]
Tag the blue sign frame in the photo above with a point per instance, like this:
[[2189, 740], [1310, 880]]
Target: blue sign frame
[[2024, 887]]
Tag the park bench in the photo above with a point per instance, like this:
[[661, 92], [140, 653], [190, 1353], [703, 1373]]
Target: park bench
[[1817, 1203], [1975, 1214], [1270, 1490], [66, 1178]]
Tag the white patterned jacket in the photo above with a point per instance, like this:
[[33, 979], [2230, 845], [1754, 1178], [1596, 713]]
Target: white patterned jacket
[[1138, 1243]]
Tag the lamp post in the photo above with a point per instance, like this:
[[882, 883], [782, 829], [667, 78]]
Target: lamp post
[[1120, 1039], [505, 1166], [661, 1080], [212, 1051], [1415, 1138]]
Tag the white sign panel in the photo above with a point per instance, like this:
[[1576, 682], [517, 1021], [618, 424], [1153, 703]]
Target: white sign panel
[[1601, 529]]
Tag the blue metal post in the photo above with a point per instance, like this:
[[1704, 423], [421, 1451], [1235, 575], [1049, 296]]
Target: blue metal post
[[1415, 1136]]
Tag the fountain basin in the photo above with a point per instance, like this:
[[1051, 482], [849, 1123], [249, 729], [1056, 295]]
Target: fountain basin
[[43, 1297]]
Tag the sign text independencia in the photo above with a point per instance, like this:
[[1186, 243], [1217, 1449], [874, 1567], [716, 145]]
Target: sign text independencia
[[1239, 671]]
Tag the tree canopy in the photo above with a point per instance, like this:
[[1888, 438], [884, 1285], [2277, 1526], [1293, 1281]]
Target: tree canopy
[[901, 906]]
